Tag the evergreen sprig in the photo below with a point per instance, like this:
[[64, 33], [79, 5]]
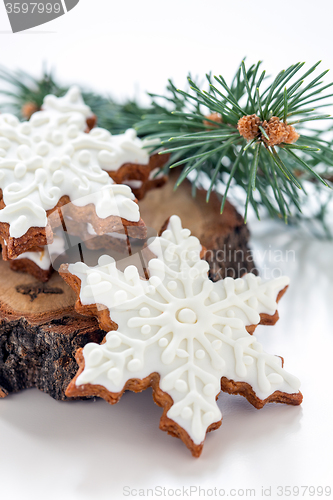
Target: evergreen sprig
[[271, 176], [199, 128], [25, 90]]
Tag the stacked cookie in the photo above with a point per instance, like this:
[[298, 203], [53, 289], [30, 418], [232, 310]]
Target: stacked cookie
[[58, 172]]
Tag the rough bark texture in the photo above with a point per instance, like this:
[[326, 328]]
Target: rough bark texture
[[39, 333], [42, 355]]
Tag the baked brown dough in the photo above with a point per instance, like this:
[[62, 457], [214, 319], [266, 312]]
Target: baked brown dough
[[142, 178]]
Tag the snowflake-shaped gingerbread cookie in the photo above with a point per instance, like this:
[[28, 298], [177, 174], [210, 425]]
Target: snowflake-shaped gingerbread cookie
[[180, 333], [50, 161]]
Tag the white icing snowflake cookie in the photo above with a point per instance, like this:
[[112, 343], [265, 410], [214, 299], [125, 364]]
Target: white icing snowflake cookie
[[50, 158], [180, 333]]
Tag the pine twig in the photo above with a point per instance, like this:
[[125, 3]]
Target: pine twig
[[253, 116]]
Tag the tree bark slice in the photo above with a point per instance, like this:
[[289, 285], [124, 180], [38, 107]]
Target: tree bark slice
[[39, 330], [39, 333]]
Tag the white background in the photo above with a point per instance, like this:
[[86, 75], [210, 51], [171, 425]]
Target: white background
[[70, 451]]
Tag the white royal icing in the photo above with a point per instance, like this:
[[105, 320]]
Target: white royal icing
[[183, 326], [50, 252], [42, 259], [113, 151], [49, 157], [72, 102], [134, 183]]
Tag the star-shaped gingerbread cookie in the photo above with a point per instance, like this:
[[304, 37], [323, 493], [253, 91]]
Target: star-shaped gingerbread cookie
[[179, 333]]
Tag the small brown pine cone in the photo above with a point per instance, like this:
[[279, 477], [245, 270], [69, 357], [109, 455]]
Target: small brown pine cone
[[91, 122], [215, 117], [292, 135], [28, 109], [276, 131], [248, 126], [279, 132]]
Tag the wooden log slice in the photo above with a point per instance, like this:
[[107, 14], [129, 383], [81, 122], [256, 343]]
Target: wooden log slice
[[39, 329], [39, 333]]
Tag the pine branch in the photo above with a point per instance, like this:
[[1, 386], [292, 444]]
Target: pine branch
[[243, 134], [25, 96], [200, 127]]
